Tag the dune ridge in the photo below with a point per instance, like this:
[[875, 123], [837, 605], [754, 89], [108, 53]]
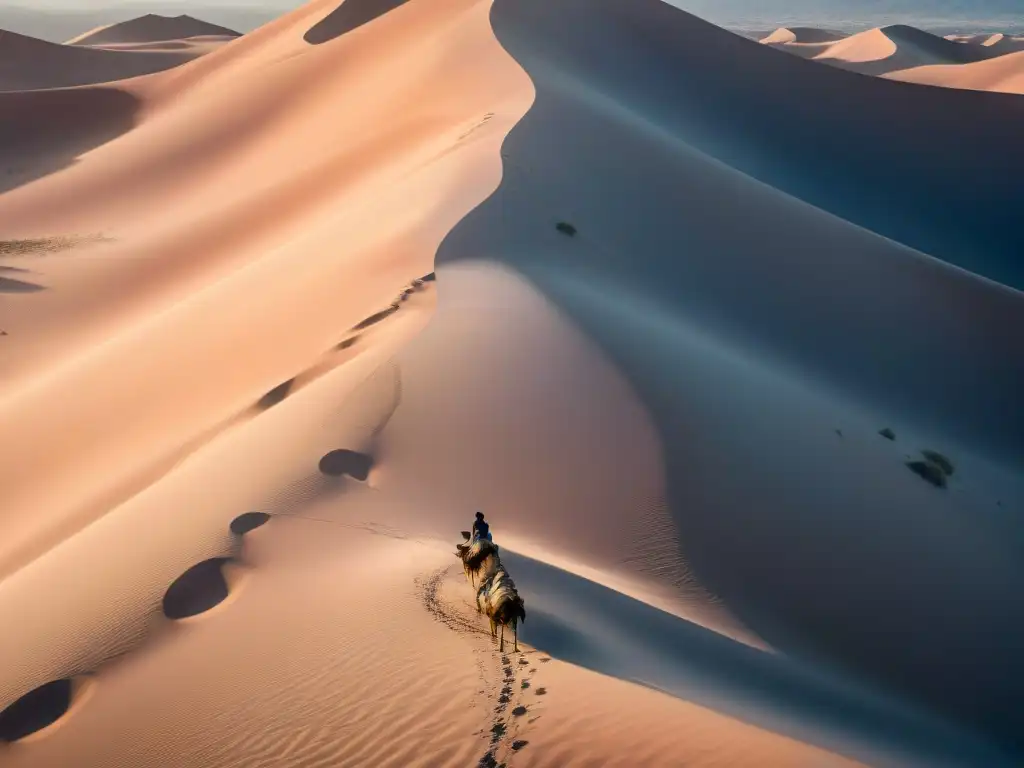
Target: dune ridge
[[374, 267], [1004, 73], [152, 28], [28, 64], [901, 52]]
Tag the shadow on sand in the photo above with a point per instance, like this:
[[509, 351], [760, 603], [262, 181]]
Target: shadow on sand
[[10, 285], [42, 132], [350, 15], [749, 307], [592, 626]]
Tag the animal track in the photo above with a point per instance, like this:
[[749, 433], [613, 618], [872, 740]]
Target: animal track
[[247, 522], [497, 732], [541, 691], [36, 710], [486, 118], [506, 691], [345, 462], [197, 590]]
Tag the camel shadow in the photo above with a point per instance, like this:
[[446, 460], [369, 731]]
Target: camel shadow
[[587, 624]]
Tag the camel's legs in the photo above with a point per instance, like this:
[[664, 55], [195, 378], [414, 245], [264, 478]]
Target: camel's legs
[[515, 638], [501, 641]]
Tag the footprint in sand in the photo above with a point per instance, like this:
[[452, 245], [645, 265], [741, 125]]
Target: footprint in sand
[[541, 691], [497, 732], [519, 711], [524, 685], [517, 745], [197, 590]]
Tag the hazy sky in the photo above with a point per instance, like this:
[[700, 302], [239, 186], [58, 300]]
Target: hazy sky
[[169, 5], [30, 16]]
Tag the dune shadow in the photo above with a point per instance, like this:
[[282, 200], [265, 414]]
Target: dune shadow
[[374, 318], [36, 710], [589, 625], [346, 462], [863, 148], [276, 395], [197, 590], [10, 285], [350, 15], [247, 522], [42, 132]]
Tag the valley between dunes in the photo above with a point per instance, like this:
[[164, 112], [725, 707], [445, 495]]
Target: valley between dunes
[[281, 316]]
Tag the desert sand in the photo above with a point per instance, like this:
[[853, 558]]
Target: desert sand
[[123, 51], [1004, 73], [278, 320], [900, 52]]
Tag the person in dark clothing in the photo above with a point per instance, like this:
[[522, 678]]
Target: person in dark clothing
[[481, 530]]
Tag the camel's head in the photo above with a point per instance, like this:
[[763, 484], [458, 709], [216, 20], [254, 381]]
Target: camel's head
[[465, 535]]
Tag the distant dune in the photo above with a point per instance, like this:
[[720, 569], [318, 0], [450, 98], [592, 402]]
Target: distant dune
[[1004, 73], [27, 63], [894, 50], [726, 345], [998, 41], [813, 35], [151, 28]]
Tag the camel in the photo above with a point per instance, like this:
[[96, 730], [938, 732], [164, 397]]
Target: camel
[[479, 558], [498, 598]]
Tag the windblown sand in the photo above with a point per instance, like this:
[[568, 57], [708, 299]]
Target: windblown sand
[[278, 320]]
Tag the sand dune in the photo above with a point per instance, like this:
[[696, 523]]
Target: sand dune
[[28, 64], [1005, 74], [802, 35], [643, 290], [152, 28], [882, 50], [975, 62], [995, 41]]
